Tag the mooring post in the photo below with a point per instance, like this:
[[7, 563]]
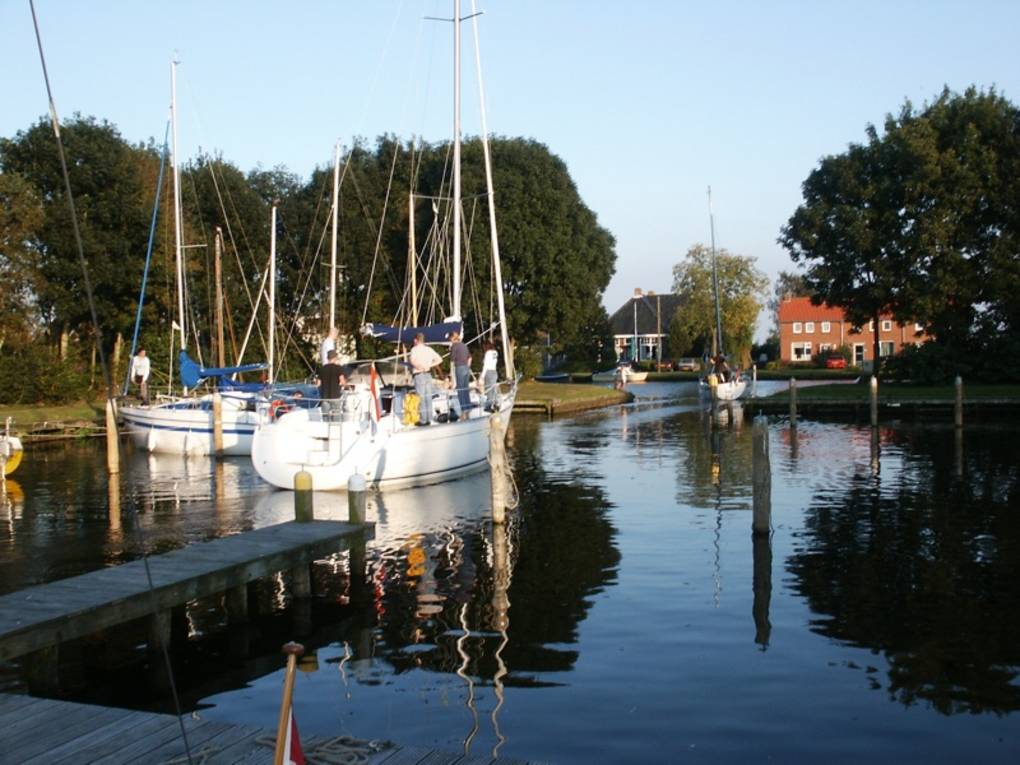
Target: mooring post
[[793, 402], [874, 401], [303, 511], [497, 463], [112, 444], [217, 417], [958, 407], [357, 500], [761, 523]]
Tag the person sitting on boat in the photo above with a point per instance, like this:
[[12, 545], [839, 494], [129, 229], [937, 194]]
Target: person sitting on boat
[[490, 376], [460, 372], [140, 374], [721, 368], [423, 360], [331, 383]]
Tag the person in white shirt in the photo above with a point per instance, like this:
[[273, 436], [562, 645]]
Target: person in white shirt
[[490, 376], [423, 359], [328, 344], [140, 374]]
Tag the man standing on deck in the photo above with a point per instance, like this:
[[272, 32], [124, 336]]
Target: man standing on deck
[[331, 383], [460, 371], [140, 374], [423, 359], [328, 344]]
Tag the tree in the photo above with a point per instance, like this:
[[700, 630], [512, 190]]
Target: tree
[[742, 291], [21, 216], [787, 285]]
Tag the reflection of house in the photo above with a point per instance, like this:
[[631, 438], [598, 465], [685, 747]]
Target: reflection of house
[[644, 320], [806, 330]]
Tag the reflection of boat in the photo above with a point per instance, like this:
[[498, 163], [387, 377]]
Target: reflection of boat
[[10, 450], [370, 431]]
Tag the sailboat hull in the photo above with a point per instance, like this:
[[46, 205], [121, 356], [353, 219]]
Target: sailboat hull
[[725, 391], [186, 426], [385, 452]]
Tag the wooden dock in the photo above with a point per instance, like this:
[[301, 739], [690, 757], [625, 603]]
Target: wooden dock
[[38, 619], [48, 732]]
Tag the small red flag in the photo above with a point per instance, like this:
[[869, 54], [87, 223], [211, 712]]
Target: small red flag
[[292, 746]]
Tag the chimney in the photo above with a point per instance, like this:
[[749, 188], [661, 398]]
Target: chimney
[[637, 292], [651, 293]]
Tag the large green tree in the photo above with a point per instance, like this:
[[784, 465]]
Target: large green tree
[[742, 292], [21, 216]]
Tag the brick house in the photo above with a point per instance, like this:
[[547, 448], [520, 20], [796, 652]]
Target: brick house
[[806, 330], [644, 320]]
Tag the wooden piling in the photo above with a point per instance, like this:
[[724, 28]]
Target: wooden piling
[[497, 463], [357, 499], [217, 415], [159, 630], [761, 523], [958, 406], [112, 444], [303, 510], [793, 402], [762, 588], [874, 401]]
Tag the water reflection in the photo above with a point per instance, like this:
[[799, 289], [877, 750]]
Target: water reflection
[[924, 567]]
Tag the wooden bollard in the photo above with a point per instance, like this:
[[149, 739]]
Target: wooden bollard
[[761, 522], [217, 419], [303, 510], [958, 407], [357, 497], [497, 463], [874, 401], [793, 402], [293, 651], [112, 444]]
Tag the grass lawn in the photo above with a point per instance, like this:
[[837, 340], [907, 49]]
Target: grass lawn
[[902, 392], [25, 415], [564, 392]]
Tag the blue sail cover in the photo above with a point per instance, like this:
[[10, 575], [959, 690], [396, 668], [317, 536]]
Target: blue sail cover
[[434, 333], [192, 374]]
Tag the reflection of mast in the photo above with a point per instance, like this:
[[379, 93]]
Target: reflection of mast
[[462, 673], [500, 618], [716, 441]]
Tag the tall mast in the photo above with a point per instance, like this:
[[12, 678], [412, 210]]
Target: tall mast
[[456, 158], [715, 275], [508, 358], [178, 230], [272, 292], [332, 247]]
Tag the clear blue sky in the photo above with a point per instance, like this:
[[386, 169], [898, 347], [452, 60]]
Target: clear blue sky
[[647, 102]]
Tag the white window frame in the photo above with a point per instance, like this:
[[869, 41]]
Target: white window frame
[[826, 327], [859, 358], [798, 328], [887, 325], [918, 327], [804, 346], [823, 347], [886, 348], [809, 328]]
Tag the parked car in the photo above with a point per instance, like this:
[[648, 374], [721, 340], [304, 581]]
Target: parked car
[[835, 362], [686, 364]]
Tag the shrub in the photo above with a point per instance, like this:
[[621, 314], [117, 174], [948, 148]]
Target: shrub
[[35, 374]]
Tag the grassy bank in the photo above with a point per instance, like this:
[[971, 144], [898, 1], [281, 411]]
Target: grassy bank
[[562, 398], [26, 416]]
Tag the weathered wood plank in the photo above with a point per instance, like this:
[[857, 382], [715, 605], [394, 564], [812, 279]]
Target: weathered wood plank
[[410, 755], [132, 726], [73, 725]]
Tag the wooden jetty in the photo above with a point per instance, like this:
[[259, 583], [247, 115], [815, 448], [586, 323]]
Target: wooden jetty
[[50, 732], [36, 620]]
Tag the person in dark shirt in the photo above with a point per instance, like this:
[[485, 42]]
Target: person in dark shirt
[[331, 383], [460, 367]]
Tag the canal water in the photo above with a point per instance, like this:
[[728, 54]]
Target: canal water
[[624, 614]]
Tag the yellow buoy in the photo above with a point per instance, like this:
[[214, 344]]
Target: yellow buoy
[[10, 454]]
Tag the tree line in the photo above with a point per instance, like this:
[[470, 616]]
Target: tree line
[[557, 259]]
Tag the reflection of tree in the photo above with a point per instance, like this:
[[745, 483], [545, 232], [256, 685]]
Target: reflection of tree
[[927, 571], [705, 444]]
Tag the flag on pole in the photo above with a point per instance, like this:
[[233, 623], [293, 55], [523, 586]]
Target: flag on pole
[[373, 385], [292, 752]]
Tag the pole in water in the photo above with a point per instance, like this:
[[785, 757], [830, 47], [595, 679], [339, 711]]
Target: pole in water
[[112, 443], [497, 462], [217, 414], [793, 402], [761, 522], [303, 510], [874, 401], [958, 406]]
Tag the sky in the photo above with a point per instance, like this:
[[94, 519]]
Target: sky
[[648, 102]]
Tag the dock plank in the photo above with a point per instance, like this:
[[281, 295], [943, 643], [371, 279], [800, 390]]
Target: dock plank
[[107, 740], [73, 725], [48, 614]]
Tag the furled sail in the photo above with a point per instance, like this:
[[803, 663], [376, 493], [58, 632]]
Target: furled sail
[[192, 374], [434, 333]]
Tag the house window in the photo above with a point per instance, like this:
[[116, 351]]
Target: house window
[[809, 327], [801, 351], [823, 347], [797, 328], [826, 327], [858, 354], [886, 348], [887, 325]]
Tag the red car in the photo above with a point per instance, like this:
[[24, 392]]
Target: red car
[[835, 362]]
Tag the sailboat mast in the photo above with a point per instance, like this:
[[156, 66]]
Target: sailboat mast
[[456, 159], [332, 246], [715, 275], [178, 232], [272, 292]]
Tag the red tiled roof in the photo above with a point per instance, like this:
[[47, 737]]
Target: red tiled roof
[[800, 309]]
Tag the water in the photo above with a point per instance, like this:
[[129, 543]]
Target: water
[[624, 614]]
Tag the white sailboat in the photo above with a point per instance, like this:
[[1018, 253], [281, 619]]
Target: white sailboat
[[719, 389], [365, 433], [186, 424]]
